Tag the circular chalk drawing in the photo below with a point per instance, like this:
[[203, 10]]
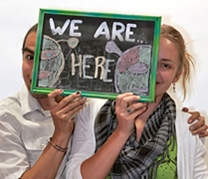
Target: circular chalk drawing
[[51, 63], [132, 68]]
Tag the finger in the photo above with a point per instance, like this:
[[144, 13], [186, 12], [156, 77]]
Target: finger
[[138, 111], [205, 134], [70, 114], [128, 100], [194, 116], [185, 109], [120, 97], [136, 106], [71, 105], [200, 122], [69, 99], [52, 95], [200, 130], [75, 110]]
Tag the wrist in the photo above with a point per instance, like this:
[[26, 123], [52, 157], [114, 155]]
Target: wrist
[[124, 132], [60, 140], [57, 147], [123, 135]]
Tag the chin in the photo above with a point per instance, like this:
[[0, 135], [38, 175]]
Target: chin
[[36, 96], [157, 88], [39, 96]]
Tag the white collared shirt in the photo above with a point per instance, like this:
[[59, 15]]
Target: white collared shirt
[[24, 132]]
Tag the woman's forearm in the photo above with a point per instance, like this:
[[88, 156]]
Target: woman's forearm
[[99, 165]]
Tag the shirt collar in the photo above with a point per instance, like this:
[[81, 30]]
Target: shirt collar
[[30, 104]]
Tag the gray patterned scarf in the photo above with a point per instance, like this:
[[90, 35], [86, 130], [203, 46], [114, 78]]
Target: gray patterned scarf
[[139, 159]]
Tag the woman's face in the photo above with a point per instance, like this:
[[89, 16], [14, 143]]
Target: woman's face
[[168, 64]]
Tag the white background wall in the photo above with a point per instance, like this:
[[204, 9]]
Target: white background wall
[[190, 16]]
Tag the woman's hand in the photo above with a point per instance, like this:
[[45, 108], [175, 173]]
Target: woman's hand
[[199, 127], [127, 110]]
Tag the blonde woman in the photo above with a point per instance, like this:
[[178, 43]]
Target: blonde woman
[[137, 140]]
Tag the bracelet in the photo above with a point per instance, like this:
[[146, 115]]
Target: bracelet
[[57, 147]]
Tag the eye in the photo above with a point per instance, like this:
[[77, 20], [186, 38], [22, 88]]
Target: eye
[[30, 57], [165, 65]]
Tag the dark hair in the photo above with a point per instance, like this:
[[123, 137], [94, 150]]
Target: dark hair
[[34, 28]]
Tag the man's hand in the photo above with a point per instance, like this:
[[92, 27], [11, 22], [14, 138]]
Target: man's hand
[[199, 127]]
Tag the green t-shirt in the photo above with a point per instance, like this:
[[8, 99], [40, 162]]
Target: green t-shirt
[[168, 168]]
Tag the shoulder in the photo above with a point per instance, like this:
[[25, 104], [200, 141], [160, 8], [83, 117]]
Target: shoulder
[[9, 104], [184, 135], [94, 104], [91, 108], [182, 117], [182, 128], [181, 121], [10, 110], [14, 101]]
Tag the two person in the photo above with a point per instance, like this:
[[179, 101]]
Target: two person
[[36, 130], [137, 140]]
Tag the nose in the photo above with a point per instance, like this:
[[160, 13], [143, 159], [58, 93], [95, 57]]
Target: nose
[[157, 72], [31, 74]]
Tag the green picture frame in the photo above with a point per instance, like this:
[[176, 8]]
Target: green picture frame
[[99, 54]]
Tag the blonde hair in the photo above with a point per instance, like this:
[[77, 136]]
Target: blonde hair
[[186, 60]]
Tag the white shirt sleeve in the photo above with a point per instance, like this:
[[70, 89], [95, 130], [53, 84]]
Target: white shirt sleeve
[[24, 132], [200, 168], [190, 151], [83, 142], [13, 156]]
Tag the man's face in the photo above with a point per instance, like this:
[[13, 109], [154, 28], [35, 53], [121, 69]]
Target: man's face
[[27, 64]]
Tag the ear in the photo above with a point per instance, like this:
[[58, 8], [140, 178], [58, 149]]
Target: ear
[[177, 76]]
